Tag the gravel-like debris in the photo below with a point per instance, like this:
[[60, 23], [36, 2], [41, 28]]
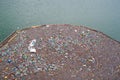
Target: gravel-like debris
[[59, 52]]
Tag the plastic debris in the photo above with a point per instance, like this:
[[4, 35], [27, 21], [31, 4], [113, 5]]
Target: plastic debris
[[32, 49], [9, 60], [6, 77], [77, 52], [32, 43], [31, 46], [47, 26], [75, 30]]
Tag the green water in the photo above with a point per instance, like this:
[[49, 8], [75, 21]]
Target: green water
[[102, 15]]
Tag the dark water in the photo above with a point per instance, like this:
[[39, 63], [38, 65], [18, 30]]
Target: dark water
[[102, 15]]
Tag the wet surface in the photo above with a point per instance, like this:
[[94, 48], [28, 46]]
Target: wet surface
[[60, 52]]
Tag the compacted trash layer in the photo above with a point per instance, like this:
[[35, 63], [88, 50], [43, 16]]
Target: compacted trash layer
[[59, 52]]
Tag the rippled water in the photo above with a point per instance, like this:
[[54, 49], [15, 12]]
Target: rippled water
[[103, 15]]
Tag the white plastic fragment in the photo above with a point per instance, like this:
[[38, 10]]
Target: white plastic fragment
[[75, 30], [92, 60], [31, 49], [32, 43], [88, 30], [84, 65], [31, 46], [47, 26], [83, 32]]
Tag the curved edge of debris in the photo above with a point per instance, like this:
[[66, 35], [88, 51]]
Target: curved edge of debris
[[14, 34]]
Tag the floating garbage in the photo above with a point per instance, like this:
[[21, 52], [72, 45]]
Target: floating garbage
[[9, 60], [62, 52], [32, 43], [31, 46], [31, 49]]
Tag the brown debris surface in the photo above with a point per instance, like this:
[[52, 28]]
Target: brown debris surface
[[59, 52]]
